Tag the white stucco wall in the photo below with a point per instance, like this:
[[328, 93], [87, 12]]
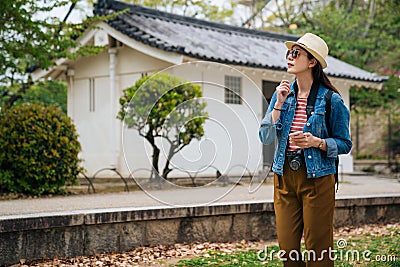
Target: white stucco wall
[[90, 125]]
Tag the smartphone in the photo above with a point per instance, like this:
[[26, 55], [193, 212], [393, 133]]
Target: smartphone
[[296, 134]]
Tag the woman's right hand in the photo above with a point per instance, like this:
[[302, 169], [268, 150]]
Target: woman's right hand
[[282, 91]]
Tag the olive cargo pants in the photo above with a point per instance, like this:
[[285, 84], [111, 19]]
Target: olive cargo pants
[[303, 204]]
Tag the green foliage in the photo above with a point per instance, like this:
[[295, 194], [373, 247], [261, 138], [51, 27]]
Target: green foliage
[[48, 93], [30, 38], [367, 100], [164, 106], [26, 40], [39, 152]]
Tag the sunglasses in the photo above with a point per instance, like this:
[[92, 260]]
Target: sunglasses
[[293, 52]]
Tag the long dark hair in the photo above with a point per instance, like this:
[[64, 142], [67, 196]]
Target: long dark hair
[[319, 75]]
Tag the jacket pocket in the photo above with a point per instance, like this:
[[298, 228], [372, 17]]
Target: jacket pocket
[[317, 123]]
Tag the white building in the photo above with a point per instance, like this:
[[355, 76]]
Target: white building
[[144, 41]]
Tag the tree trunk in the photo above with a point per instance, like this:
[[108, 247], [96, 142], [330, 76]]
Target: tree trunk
[[171, 153], [166, 170], [155, 158], [14, 98], [350, 8], [156, 152], [371, 16]]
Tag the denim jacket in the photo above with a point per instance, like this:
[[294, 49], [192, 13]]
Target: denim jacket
[[318, 163]]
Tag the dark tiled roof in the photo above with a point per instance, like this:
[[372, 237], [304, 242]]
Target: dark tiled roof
[[206, 40]]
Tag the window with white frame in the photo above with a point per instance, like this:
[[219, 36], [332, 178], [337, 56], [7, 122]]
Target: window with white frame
[[233, 90]]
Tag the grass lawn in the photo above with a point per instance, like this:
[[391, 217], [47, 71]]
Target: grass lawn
[[368, 249]]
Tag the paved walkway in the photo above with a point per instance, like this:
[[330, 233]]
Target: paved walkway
[[351, 186]]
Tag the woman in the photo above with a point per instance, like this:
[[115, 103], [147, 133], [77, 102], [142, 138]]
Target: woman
[[304, 161]]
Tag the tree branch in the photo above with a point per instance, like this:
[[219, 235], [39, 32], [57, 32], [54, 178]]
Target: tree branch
[[15, 97], [256, 13]]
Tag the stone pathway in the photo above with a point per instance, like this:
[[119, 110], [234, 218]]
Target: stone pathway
[[351, 186]]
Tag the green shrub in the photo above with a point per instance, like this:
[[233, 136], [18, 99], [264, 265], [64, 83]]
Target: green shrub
[[39, 150]]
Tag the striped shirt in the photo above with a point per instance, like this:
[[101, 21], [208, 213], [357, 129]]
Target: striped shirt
[[299, 120]]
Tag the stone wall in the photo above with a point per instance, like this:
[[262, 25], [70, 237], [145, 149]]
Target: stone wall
[[89, 232]]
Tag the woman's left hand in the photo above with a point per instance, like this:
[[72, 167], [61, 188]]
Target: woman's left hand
[[303, 140]]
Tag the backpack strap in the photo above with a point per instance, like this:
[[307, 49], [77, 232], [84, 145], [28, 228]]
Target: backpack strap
[[311, 99], [328, 98]]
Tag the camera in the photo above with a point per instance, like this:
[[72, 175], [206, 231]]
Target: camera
[[295, 159]]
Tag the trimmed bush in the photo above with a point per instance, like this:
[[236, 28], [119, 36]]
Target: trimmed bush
[[39, 150]]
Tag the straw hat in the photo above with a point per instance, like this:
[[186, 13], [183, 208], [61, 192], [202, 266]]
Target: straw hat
[[314, 45]]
